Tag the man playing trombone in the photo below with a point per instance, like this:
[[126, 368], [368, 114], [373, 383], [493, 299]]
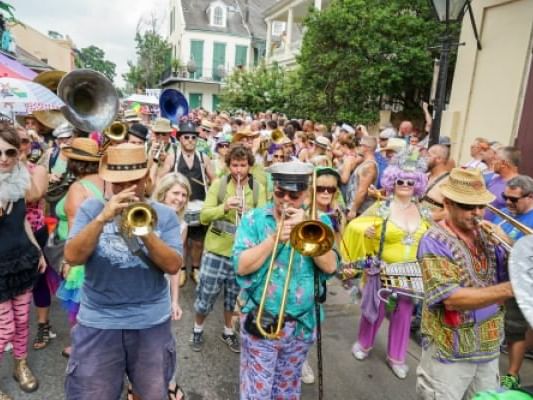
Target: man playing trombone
[[226, 200], [271, 365], [462, 317]]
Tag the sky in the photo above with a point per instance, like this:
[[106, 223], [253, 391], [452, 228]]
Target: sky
[[108, 24]]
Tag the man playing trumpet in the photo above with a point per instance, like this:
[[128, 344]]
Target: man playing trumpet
[[271, 368], [226, 200], [124, 317]]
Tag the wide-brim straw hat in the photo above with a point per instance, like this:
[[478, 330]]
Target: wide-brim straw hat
[[123, 163], [466, 186], [162, 125], [246, 132], [131, 116], [395, 144], [83, 149], [322, 142]]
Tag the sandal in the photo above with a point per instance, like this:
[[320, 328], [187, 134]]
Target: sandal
[[176, 393], [43, 336], [195, 274]]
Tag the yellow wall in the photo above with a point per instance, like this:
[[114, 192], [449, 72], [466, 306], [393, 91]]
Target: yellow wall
[[487, 91], [57, 53]]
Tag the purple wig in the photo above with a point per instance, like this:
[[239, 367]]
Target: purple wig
[[393, 172]]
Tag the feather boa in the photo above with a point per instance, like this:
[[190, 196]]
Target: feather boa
[[14, 184]]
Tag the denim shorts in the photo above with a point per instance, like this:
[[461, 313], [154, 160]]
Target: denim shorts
[[101, 357]]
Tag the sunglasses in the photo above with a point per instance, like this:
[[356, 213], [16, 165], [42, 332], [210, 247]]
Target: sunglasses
[[280, 194], [513, 199], [405, 182], [25, 141], [161, 133], [328, 189], [189, 137], [9, 153], [278, 156], [469, 207], [224, 145]]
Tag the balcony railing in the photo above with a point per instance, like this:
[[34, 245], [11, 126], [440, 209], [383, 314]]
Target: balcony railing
[[209, 75]]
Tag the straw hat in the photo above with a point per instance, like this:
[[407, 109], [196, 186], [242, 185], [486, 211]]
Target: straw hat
[[162, 125], [131, 116], [466, 186], [123, 163], [83, 149], [207, 125], [65, 130], [245, 132], [322, 142], [395, 144]]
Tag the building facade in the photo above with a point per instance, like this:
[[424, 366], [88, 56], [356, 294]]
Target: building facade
[[55, 50], [284, 29], [209, 39], [492, 90]]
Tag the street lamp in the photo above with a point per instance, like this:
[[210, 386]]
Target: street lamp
[[447, 11]]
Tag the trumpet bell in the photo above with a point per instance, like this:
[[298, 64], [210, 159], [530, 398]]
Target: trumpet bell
[[50, 80], [312, 238], [138, 219], [117, 131], [91, 101]]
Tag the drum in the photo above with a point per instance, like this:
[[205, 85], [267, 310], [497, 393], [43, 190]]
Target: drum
[[192, 213]]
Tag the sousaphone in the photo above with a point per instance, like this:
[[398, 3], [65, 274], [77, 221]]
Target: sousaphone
[[521, 275], [173, 105], [91, 100], [50, 80]]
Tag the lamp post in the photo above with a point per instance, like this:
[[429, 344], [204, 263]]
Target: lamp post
[[447, 11]]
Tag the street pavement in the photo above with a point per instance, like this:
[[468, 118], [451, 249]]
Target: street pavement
[[213, 374]]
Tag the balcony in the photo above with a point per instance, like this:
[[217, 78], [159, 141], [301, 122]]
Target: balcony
[[201, 75]]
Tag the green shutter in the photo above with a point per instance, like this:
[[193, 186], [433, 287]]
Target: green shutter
[[197, 54], [216, 102], [219, 58], [195, 100], [241, 53]]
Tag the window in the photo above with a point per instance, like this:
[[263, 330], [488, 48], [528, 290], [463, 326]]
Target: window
[[218, 17]]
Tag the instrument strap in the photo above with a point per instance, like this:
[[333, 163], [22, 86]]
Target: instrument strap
[[318, 336], [135, 247]]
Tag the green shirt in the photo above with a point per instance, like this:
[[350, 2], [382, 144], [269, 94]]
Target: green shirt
[[222, 243]]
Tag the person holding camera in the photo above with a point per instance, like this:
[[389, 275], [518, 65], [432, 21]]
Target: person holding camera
[[272, 368]]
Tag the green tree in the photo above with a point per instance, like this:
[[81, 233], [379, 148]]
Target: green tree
[[93, 57], [259, 89], [153, 58], [356, 53]]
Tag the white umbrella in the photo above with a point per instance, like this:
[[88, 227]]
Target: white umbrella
[[143, 99], [20, 95]]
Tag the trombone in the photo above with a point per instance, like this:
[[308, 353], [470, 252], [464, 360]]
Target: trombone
[[517, 224], [311, 238]]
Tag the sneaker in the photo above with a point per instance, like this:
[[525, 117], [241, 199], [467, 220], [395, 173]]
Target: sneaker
[[197, 340], [308, 376], [400, 370], [510, 382], [51, 333], [8, 347], [358, 352], [195, 275], [182, 277], [232, 341]]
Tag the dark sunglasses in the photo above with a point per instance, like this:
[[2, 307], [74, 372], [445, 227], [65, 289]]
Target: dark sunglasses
[[9, 153], [161, 133], [25, 141], [513, 199], [469, 207], [224, 145], [278, 156], [328, 189], [189, 137], [405, 182], [280, 194]]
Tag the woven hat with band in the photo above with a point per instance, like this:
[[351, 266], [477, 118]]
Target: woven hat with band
[[83, 149], [162, 125], [466, 186], [246, 132], [123, 163]]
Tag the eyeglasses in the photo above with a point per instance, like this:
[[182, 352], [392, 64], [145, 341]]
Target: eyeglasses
[[405, 182], [25, 141], [224, 145], [469, 207], [280, 194], [328, 189], [278, 156], [189, 137], [161, 133], [9, 153], [513, 199]]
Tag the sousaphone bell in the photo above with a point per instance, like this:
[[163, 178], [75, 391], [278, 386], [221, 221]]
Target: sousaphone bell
[[173, 105]]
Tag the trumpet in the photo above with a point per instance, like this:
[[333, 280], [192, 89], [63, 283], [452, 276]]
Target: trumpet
[[138, 219], [311, 238], [501, 240]]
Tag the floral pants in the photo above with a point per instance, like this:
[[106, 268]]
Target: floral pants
[[271, 369]]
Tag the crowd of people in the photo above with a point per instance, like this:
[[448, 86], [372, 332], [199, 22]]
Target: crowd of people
[[217, 199]]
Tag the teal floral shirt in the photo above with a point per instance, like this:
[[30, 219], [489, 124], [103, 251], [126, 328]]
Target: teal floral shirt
[[255, 227]]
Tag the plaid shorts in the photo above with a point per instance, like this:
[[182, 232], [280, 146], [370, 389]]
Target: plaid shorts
[[216, 271]]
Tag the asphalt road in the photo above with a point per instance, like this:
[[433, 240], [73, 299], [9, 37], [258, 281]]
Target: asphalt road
[[213, 374]]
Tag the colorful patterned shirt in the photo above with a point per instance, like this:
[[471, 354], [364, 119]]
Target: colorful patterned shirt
[[255, 227], [447, 265]]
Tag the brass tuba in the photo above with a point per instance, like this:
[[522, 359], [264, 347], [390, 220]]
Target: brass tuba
[[310, 238], [91, 101], [50, 80], [138, 219]]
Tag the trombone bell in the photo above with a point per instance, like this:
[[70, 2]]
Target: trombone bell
[[312, 238]]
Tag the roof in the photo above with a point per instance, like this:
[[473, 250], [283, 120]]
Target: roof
[[30, 61], [196, 18]]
